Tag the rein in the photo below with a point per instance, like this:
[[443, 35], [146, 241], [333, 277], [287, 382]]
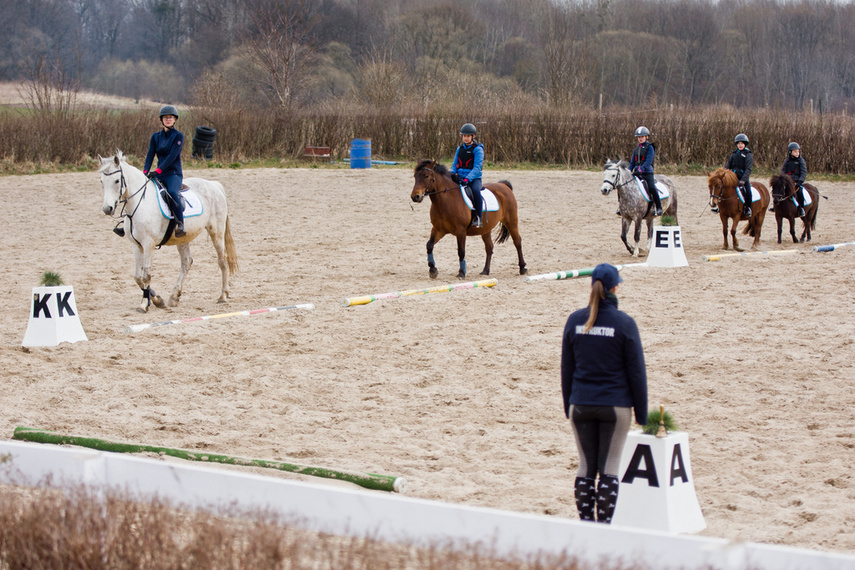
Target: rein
[[617, 175], [123, 186], [432, 183]]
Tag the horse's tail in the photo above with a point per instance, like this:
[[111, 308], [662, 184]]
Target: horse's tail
[[814, 214], [231, 253], [507, 183], [504, 234]]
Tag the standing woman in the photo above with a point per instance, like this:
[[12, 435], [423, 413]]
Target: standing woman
[[167, 145], [603, 378], [467, 165], [796, 168]]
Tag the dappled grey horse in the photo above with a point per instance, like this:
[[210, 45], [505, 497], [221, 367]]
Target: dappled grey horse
[[634, 207]]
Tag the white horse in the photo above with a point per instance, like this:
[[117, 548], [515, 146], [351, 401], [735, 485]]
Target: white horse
[[129, 194], [634, 207]]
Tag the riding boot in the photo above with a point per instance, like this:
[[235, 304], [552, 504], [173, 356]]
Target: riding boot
[[476, 222], [119, 231], [801, 201], [654, 193], [607, 492], [586, 497], [179, 228]]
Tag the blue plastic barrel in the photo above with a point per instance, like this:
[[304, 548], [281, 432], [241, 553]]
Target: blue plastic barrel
[[360, 153]]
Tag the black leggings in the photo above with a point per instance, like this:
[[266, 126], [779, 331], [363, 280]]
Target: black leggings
[[600, 436], [651, 188]]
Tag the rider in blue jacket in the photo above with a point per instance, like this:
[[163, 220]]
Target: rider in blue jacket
[[603, 379], [641, 164], [167, 144], [467, 165]]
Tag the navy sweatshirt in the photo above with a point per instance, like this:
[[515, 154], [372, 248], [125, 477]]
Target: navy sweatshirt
[[605, 366], [166, 144]]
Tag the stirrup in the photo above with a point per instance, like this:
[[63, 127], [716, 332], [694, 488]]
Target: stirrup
[[179, 231], [714, 209], [618, 212], [801, 212], [476, 223], [657, 212], [746, 212]]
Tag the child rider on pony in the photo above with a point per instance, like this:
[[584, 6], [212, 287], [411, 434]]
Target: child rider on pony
[[167, 145], [740, 162], [468, 161], [641, 165], [796, 168]]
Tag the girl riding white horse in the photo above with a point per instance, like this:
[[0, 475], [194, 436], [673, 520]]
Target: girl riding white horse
[[130, 194]]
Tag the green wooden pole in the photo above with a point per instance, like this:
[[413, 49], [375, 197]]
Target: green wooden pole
[[367, 480]]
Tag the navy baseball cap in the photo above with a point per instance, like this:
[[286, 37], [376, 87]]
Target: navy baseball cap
[[608, 274]]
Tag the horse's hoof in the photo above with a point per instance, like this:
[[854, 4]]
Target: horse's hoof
[[158, 302], [461, 276], [523, 270], [221, 300], [484, 273], [142, 309], [173, 301]]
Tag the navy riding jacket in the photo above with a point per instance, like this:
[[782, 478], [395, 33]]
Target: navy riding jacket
[[605, 366], [741, 162], [166, 145], [642, 158], [795, 168]]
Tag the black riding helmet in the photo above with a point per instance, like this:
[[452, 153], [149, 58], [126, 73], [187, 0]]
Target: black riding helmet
[[468, 129], [168, 110], [741, 137], [793, 146]]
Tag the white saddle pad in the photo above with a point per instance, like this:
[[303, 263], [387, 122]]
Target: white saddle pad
[[755, 195], [661, 188], [490, 203], [805, 196], [192, 205]]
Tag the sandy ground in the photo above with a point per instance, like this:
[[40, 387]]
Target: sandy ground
[[458, 392]]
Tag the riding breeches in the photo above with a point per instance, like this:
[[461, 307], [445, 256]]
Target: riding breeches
[[600, 436], [651, 187], [476, 195], [746, 192], [173, 188]]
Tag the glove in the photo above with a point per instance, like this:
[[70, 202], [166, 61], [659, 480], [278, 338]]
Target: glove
[[741, 184], [455, 178], [465, 182]]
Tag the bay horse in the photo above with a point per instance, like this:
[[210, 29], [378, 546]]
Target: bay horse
[[634, 207], [449, 214], [131, 195], [783, 190], [723, 194]]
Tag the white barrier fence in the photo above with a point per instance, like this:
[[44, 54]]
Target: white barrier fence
[[349, 512]]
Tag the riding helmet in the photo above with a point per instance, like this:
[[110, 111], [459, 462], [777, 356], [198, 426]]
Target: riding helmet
[[168, 110], [741, 137], [793, 146], [468, 129], [642, 132]]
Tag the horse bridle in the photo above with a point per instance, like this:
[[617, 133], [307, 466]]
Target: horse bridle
[[432, 182], [617, 175], [123, 185]]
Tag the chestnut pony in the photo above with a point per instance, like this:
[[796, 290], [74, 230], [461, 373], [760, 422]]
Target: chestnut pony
[[723, 193], [783, 191], [449, 214]]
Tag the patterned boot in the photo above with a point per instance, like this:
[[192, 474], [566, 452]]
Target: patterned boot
[[586, 499], [607, 491]]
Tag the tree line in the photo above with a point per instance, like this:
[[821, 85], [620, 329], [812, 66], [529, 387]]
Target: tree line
[[430, 55]]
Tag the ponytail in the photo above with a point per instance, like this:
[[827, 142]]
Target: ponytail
[[598, 292]]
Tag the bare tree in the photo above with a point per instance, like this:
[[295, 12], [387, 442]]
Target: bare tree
[[52, 76], [279, 43]]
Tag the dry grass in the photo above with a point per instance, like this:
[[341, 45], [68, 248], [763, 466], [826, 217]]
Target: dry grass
[[77, 528], [688, 140]]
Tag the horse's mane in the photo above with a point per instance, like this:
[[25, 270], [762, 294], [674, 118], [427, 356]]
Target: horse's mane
[[109, 161], [727, 177], [438, 168], [782, 181]]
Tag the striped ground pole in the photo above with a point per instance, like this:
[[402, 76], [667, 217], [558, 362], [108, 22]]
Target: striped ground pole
[[744, 253], [832, 247], [574, 273], [364, 300], [138, 328]]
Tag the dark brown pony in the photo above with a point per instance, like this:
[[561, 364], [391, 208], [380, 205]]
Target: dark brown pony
[[723, 194], [449, 214], [783, 191]]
